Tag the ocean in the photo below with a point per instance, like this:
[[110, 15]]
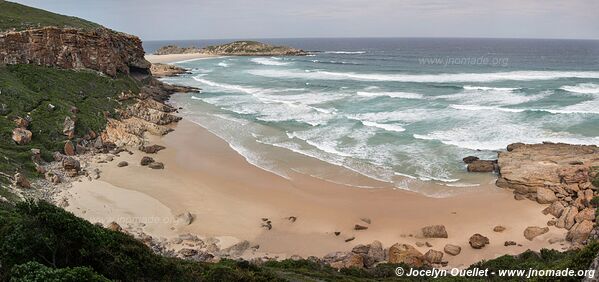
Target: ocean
[[398, 110]]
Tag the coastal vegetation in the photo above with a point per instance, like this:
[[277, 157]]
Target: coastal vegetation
[[44, 97], [41, 242], [14, 16]]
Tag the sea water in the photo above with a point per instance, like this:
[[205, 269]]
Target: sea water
[[395, 110]]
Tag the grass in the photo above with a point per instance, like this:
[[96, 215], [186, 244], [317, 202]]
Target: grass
[[20, 17], [28, 90]]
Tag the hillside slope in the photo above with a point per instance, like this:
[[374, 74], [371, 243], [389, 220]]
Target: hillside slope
[[14, 16]]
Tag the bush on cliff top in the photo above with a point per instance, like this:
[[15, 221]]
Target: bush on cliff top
[[28, 90], [20, 17]]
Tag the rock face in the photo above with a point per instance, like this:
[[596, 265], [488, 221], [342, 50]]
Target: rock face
[[548, 172], [103, 50], [237, 48], [404, 253], [533, 231], [434, 231]]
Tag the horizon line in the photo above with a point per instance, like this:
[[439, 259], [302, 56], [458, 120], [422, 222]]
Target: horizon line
[[378, 37]]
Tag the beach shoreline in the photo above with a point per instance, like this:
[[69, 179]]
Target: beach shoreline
[[231, 199]]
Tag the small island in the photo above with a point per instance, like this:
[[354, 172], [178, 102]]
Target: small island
[[237, 48]]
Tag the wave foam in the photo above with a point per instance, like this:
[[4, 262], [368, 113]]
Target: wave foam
[[269, 62], [426, 78], [484, 88], [345, 52], [388, 127], [404, 95], [583, 88]]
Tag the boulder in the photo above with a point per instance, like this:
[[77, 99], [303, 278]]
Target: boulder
[[153, 149], [568, 218], [433, 256], [478, 241], [545, 196], [434, 231], [361, 249], [156, 165], [114, 226], [69, 149], [353, 260], [22, 123], [69, 163], [21, 181], [498, 228], [186, 252], [580, 232], [360, 227], [375, 253], [510, 243], [585, 214], [57, 156], [404, 253], [452, 249], [146, 161], [555, 209], [185, 218], [122, 164], [68, 127], [470, 159], [533, 231], [481, 166], [238, 249], [21, 136]]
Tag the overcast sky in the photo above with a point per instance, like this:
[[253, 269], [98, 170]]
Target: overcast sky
[[226, 19]]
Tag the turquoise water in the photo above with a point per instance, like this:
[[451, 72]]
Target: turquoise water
[[398, 111]]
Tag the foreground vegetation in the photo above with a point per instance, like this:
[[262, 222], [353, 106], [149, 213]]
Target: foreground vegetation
[[47, 96], [19, 17], [41, 242]]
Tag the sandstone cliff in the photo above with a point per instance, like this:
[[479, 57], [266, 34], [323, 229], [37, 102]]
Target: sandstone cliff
[[101, 49]]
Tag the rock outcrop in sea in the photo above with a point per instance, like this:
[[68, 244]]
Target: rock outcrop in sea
[[237, 48]]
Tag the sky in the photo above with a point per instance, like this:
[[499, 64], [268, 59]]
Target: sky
[[246, 19]]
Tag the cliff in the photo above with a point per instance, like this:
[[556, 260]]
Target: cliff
[[237, 48], [101, 49]]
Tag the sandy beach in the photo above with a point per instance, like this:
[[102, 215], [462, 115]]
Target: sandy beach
[[228, 198], [163, 59]]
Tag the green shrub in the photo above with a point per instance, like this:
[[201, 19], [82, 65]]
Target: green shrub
[[28, 90], [37, 272]]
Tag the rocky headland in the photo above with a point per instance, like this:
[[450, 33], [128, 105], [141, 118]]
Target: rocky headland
[[563, 177], [237, 48]]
